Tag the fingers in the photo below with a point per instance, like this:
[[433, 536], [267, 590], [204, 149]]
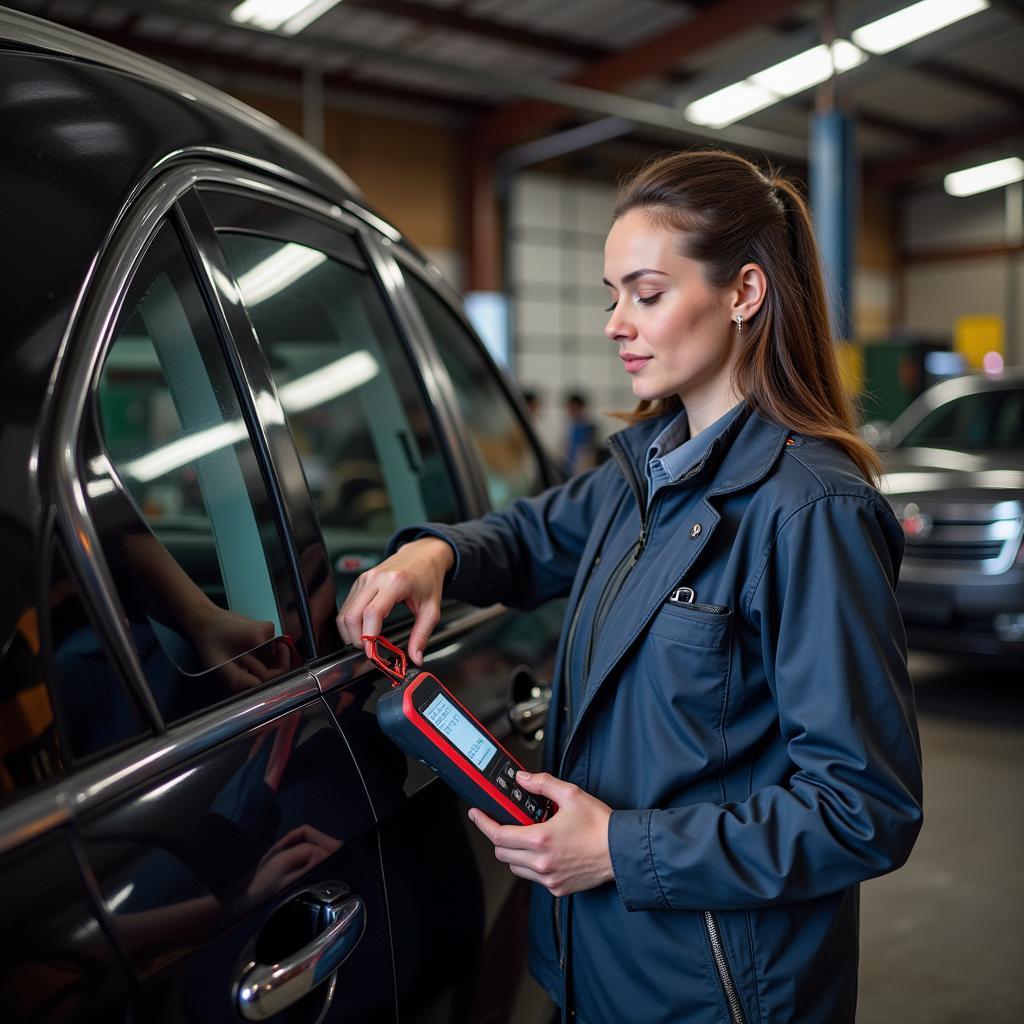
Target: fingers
[[427, 617], [547, 785], [373, 595], [415, 575], [511, 837]]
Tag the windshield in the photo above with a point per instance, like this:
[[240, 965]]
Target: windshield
[[985, 420]]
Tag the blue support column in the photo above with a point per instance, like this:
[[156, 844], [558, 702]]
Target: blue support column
[[834, 199]]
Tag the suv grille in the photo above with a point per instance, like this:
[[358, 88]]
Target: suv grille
[[979, 537]]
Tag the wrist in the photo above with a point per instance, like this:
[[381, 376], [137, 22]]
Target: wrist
[[197, 613], [440, 551]]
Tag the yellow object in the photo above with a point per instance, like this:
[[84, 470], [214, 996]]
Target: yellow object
[[851, 366], [973, 336]]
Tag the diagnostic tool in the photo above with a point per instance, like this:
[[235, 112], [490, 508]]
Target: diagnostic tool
[[426, 720]]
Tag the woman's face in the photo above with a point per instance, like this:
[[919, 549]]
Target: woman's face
[[673, 331]]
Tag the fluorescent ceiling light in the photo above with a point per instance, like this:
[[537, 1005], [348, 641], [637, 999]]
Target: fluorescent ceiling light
[[913, 22], [741, 99], [984, 177], [807, 69], [276, 272], [290, 16], [729, 104]]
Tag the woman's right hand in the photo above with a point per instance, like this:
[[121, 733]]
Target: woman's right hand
[[413, 574]]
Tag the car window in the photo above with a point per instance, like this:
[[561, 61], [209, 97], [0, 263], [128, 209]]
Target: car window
[[179, 499], [508, 461], [98, 713], [356, 412], [984, 420]]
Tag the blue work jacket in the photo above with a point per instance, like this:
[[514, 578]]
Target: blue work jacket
[[757, 744]]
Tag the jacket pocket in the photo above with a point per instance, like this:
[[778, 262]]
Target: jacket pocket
[[685, 661]]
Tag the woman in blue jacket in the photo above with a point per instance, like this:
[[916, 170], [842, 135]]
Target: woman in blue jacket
[[737, 748]]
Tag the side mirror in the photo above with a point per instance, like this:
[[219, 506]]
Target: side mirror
[[876, 433]]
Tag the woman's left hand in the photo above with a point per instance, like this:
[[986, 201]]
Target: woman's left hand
[[568, 852]]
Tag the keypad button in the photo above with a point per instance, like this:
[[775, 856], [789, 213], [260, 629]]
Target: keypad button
[[503, 783]]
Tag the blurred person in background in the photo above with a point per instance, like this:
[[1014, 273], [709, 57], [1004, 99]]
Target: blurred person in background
[[580, 436]]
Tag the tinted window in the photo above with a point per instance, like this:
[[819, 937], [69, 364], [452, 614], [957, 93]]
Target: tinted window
[[180, 501], [508, 462], [984, 420], [97, 711], [360, 424]]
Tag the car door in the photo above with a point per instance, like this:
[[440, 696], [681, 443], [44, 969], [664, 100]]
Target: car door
[[57, 961], [374, 418], [228, 841]]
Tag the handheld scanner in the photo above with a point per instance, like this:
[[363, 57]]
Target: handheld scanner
[[425, 719]]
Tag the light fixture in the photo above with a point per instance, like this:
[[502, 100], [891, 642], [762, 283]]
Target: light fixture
[[810, 68], [984, 176], [741, 99], [913, 22], [290, 16]]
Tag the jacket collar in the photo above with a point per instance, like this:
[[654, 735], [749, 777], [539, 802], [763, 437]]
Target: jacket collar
[[740, 456]]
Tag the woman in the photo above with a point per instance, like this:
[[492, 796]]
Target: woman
[[738, 748]]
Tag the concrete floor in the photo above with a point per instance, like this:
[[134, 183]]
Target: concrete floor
[[942, 940]]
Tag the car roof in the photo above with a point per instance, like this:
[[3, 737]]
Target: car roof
[[86, 127], [947, 390], [24, 31]]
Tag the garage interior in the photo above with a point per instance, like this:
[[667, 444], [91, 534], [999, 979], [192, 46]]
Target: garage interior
[[494, 134]]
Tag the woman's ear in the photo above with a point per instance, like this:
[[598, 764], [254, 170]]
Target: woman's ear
[[749, 291]]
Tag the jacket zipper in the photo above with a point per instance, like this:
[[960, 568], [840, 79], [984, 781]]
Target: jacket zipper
[[572, 635], [722, 966], [621, 572], [611, 590]]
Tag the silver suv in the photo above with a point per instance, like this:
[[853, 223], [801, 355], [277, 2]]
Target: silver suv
[[954, 473]]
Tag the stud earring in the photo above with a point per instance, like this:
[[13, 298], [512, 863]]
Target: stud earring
[[739, 323]]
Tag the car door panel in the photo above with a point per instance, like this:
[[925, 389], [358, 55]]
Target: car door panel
[[458, 918], [56, 962], [192, 866]]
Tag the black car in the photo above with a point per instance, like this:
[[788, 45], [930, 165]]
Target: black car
[[954, 473], [226, 382]]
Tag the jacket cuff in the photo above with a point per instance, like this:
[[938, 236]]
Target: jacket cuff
[[629, 843]]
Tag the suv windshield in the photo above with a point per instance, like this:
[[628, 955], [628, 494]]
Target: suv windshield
[[986, 420]]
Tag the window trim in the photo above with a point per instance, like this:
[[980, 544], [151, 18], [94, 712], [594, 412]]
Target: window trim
[[378, 248], [89, 339], [549, 473]]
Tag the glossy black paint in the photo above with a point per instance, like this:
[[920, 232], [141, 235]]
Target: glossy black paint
[[191, 869], [56, 961]]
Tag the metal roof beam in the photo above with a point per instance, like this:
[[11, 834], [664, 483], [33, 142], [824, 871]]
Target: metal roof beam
[[553, 92], [950, 74], [887, 173], [656, 56], [170, 52], [451, 17]]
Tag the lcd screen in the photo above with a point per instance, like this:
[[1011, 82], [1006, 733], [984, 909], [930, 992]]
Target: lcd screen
[[460, 730]]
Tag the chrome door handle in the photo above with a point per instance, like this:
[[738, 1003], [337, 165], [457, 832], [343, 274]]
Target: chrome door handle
[[266, 989], [529, 714]]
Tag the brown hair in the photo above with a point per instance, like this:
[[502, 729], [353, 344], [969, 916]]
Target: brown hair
[[729, 214]]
